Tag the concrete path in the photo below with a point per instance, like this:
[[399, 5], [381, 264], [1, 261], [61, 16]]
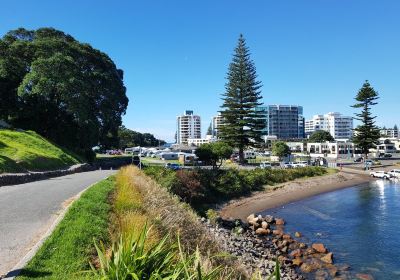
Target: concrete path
[[28, 210]]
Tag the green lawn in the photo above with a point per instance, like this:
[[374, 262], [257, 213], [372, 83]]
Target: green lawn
[[27, 151], [66, 253]]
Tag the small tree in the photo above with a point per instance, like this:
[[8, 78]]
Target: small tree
[[214, 153], [367, 134], [320, 136], [280, 149]]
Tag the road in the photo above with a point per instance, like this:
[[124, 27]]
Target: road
[[28, 210]]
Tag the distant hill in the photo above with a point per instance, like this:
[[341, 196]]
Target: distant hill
[[22, 151]]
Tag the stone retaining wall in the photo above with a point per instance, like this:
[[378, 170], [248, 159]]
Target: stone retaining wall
[[21, 178]]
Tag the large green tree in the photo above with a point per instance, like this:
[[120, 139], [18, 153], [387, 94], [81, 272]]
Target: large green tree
[[65, 90], [367, 134], [214, 153], [242, 125], [280, 149], [320, 136]]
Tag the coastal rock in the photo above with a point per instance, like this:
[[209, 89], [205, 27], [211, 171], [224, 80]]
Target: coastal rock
[[296, 253], [279, 222], [364, 276], [328, 258], [319, 247], [307, 268], [286, 236], [277, 232], [251, 217], [297, 261], [297, 234], [309, 251], [302, 245], [264, 225], [262, 231], [333, 271], [269, 219]]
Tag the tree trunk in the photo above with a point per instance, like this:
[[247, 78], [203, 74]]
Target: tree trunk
[[241, 155]]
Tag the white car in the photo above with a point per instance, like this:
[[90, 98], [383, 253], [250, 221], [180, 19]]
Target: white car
[[265, 165], [394, 173], [380, 174]]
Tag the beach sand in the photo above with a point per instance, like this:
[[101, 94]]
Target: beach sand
[[292, 191]]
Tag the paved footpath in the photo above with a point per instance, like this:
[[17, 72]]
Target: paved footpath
[[28, 210]]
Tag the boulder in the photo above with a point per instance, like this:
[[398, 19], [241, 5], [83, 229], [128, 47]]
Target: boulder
[[296, 253], [302, 245], [364, 276], [333, 271], [269, 219], [262, 231], [297, 234], [286, 236], [277, 232], [328, 258], [319, 247], [279, 222], [251, 217], [297, 261], [264, 225], [307, 268]]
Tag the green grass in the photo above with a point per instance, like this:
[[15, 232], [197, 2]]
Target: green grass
[[66, 253], [27, 151]]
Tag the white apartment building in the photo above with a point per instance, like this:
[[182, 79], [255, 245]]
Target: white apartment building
[[334, 150], [188, 126], [390, 132], [216, 124], [200, 141], [339, 126]]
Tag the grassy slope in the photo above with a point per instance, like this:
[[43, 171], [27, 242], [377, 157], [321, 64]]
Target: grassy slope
[[70, 247], [21, 151]]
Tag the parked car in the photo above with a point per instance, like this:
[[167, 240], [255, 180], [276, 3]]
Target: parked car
[[394, 173], [287, 165], [173, 166], [387, 155], [360, 159], [369, 162], [265, 165], [380, 174]]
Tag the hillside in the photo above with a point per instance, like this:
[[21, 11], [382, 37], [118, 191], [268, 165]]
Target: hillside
[[22, 151]]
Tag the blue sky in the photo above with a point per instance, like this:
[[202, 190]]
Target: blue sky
[[175, 54]]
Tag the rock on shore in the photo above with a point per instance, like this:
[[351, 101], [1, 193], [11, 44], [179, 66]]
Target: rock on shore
[[260, 241]]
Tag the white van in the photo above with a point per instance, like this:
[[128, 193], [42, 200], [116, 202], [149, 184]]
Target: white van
[[394, 173]]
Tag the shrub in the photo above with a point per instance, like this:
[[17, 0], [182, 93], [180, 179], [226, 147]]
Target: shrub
[[188, 186]]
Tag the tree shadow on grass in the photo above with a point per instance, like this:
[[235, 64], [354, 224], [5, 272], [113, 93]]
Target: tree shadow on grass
[[28, 273]]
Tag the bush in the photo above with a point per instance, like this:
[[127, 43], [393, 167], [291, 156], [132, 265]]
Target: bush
[[188, 186]]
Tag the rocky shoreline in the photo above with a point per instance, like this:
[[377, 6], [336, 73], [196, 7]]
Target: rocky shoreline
[[260, 241]]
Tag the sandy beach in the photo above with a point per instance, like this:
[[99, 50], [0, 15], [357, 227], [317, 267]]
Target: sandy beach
[[292, 191]]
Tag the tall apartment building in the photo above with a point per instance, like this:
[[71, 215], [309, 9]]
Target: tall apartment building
[[390, 132], [188, 126], [339, 126], [283, 121], [216, 124]]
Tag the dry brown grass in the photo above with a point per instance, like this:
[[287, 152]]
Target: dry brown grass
[[129, 217], [170, 216]]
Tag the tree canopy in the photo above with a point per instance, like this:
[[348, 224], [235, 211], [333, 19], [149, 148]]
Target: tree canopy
[[280, 149], [214, 153], [65, 90], [129, 138], [367, 134], [320, 136], [242, 125]]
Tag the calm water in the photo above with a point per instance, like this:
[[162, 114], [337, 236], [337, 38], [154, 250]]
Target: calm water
[[360, 225]]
